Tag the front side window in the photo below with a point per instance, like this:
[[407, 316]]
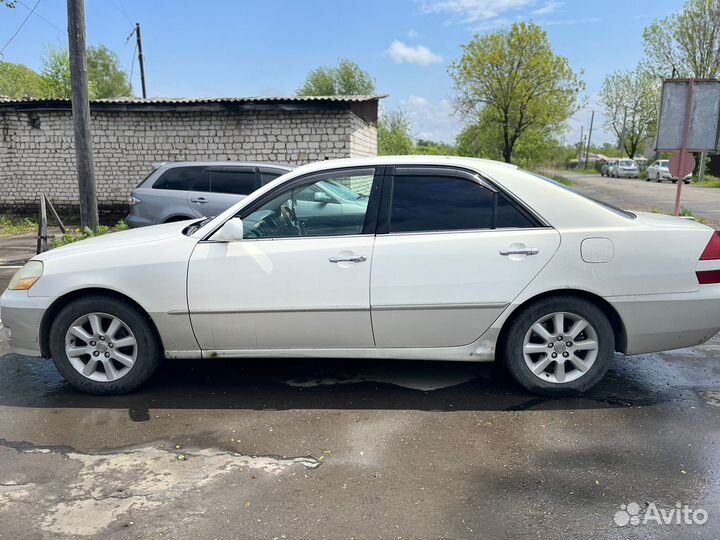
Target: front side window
[[331, 204], [233, 181], [183, 179]]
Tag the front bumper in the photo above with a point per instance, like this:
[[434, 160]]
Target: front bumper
[[21, 316], [628, 174]]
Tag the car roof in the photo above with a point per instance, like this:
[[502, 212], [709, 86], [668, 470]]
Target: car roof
[[171, 164]]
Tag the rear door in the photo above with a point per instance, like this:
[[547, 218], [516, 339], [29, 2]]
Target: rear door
[[221, 188], [452, 252]]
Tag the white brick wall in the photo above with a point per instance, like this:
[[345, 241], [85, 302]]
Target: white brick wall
[[125, 144]]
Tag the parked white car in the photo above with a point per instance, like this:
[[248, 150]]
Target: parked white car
[[624, 168], [660, 171], [446, 259]]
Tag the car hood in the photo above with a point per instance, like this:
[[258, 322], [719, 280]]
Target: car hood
[[117, 239]]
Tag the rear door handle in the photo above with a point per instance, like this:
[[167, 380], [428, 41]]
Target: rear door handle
[[199, 200], [348, 258], [522, 251]]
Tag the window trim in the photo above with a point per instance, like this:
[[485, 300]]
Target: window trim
[[384, 220], [371, 215]]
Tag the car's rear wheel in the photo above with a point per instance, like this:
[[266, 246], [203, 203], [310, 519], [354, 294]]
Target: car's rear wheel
[[559, 346], [102, 345]]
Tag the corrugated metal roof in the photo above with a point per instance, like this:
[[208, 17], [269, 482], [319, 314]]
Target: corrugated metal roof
[[200, 101]]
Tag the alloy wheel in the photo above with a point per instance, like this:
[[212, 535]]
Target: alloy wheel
[[101, 347], [560, 347]]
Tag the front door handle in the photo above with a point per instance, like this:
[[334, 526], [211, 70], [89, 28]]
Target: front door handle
[[521, 251], [348, 258], [199, 200]]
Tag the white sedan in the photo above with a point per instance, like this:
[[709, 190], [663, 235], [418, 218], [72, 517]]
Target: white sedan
[[660, 170], [441, 258]]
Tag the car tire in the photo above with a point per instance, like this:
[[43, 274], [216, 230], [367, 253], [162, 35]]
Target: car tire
[[523, 349], [686, 181], [674, 181], [657, 177], [103, 345]]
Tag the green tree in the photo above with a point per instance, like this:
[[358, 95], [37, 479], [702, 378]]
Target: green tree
[[56, 73], [483, 139], [516, 82], [630, 100], [109, 80], [394, 134], [345, 79], [105, 77], [687, 42], [433, 148], [18, 81]]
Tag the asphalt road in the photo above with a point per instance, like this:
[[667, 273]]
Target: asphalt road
[[315, 449], [635, 194]]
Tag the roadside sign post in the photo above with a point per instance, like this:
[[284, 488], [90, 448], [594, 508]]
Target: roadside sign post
[[682, 159], [689, 122]]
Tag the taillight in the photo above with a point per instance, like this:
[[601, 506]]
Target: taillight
[[711, 253], [134, 201], [712, 250]]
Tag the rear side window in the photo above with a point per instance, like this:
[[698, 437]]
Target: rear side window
[[183, 179], [233, 181], [439, 203], [445, 203], [268, 176]]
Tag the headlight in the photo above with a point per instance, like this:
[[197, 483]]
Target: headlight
[[26, 276]]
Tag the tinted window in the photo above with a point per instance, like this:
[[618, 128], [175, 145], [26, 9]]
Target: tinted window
[[509, 216], [267, 176], [183, 179], [439, 203], [233, 181]]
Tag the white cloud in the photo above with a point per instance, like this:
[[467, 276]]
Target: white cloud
[[431, 121], [474, 10], [549, 7], [419, 54], [413, 34], [571, 22]]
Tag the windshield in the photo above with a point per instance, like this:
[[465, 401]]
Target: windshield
[[608, 206], [664, 163], [627, 163]]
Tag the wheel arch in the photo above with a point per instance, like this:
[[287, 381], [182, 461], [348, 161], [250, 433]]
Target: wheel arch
[[608, 310], [177, 217], [62, 301]]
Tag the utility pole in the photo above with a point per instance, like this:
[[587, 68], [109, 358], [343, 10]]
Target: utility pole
[[580, 146], [587, 154], [81, 114], [140, 59], [622, 133]]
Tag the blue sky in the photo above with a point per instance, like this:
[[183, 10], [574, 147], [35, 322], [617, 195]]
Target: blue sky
[[267, 47]]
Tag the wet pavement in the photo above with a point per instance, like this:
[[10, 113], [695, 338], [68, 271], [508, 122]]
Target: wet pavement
[[314, 449]]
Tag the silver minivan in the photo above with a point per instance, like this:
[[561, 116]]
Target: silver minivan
[[191, 189]]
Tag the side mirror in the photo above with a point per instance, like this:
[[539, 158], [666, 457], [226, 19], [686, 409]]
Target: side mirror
[[322, 197], [231, 231]]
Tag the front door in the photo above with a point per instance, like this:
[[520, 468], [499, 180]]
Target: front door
[[456, 252], [299, 279]]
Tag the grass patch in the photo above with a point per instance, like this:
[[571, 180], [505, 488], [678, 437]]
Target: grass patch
[[710, 181], [12, 226], [562, 179], [75, 235]]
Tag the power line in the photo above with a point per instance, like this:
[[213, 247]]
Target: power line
[[19, 28], [119, 6], [55, 26]]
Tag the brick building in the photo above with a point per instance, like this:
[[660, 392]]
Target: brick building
[[129, 135]]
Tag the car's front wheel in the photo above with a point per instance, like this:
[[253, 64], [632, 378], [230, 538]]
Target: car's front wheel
[[559, 346], [102, 345]]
